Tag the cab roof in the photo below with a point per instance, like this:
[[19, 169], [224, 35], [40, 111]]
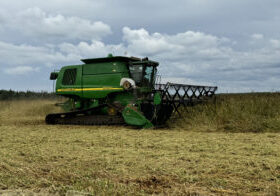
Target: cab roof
[[110, 58]]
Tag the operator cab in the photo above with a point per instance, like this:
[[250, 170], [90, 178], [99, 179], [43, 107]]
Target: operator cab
[[143, 72]]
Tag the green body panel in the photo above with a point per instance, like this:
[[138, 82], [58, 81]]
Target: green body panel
[[157, 99], [103, 75], [95, 80], [110, 67], [132, 116]]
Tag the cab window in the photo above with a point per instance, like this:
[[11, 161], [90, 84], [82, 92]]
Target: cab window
[[136, 72], [148, 74], [69, 77]]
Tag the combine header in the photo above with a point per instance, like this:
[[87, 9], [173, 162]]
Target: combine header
[[120, 90]]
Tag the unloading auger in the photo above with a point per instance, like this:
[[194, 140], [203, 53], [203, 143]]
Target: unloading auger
[[120, 90]]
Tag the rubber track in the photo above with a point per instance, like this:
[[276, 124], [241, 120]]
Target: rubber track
[[82, 118]]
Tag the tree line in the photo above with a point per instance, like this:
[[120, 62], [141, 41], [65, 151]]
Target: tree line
[[11, 95]]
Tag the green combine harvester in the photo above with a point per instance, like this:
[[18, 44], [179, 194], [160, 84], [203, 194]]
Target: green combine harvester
[[120, 90]]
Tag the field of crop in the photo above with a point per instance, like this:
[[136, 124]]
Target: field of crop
[[229, 146]]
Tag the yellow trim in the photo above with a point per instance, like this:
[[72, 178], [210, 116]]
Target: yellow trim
[[87, 89]]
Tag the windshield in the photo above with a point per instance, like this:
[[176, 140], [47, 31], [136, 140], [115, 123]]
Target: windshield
[[142, 75], [136, 72]]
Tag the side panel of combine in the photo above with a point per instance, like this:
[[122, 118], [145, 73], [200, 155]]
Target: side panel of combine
[[69, 81], [101, 78]]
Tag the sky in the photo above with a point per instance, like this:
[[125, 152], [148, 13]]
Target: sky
[[233, 44]]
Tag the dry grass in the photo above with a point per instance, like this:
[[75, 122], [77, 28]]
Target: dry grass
[[25, 112], [122, 161]]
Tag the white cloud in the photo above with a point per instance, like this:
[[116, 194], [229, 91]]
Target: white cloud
[[257, 36], [181, 45], [37, 24], [14, 55], [275, 43], [141, 42], [91, 50], [20, 70]]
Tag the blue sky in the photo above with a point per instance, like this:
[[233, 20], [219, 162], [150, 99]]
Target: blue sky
[[233, 44]]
